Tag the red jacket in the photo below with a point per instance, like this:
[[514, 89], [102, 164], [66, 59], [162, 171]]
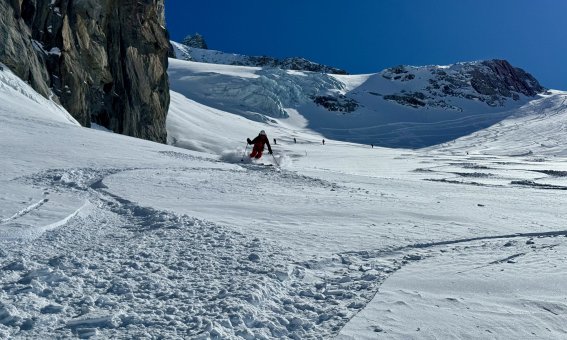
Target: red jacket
[[259, 142]]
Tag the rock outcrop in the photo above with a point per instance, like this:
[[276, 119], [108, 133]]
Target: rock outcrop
[[336, 103], [501, 78], [493, 82], [196, 41], [104, 60]]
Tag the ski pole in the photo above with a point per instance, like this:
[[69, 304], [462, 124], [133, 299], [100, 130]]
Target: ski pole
[[244, 154], [275, 160]]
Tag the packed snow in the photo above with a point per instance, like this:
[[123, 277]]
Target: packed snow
[[106, 236]]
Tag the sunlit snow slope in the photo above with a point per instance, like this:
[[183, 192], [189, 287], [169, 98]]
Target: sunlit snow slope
[[537, 128]]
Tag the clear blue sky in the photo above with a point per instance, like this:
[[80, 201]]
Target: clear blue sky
[[365, 36]]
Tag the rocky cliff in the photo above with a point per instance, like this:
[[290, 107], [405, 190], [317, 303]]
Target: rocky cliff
[[104, 60]]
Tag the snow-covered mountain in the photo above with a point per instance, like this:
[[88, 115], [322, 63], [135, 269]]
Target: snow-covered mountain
[[204, 55], [404, 106]]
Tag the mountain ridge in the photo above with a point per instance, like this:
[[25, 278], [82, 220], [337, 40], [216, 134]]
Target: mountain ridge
[[188, 51], [402, 107]]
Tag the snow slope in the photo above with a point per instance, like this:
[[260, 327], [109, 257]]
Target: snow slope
[[538, 128], [106, 236], [21, 102]]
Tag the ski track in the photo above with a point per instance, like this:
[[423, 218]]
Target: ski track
[[25, 211], [120, 270], [115, 269]]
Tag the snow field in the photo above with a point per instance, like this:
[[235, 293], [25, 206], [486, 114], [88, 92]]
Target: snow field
[[490, 289], [340, 240], [161, 273], [538, 128]]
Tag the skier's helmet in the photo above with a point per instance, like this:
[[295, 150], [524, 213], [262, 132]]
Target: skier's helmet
[[263, 132]]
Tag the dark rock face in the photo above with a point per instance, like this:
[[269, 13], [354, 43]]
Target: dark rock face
[[105, 60], [492, 82], [17, 51], [503, 79], [398, 73], [302, 64], [196, 41], [338, 103], [411, 99], [294, 63]]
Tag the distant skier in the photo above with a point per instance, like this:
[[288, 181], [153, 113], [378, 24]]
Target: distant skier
[[294, 140], [275, 142], [323, 142], [259, 143], [372, 146]]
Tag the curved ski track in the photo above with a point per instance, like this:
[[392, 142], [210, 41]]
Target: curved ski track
[[117, 269]]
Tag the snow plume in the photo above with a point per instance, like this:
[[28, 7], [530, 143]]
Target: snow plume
[[283, 160], [241, 156], [236, 156]]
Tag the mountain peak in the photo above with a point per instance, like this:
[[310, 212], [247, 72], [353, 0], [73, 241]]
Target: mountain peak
[[195, 41], [490, 81], [502, 79]]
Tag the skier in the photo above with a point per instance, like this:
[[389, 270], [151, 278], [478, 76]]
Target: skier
[[259, 143], [294, 140], [323, 142], [275, 142]]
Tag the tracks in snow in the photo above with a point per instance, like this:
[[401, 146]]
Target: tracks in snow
[[25, 211], [118, 269]]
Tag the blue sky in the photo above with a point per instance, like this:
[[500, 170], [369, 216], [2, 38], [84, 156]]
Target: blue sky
[[365, 36]]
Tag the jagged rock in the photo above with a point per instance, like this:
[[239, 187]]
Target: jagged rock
[[196, 41], [492, 82], [105, 60], [302, 64], [502, 79], [17, 51], [339, 103], [412, 99]]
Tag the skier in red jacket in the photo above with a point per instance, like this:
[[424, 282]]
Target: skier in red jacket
[[259, 143]]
